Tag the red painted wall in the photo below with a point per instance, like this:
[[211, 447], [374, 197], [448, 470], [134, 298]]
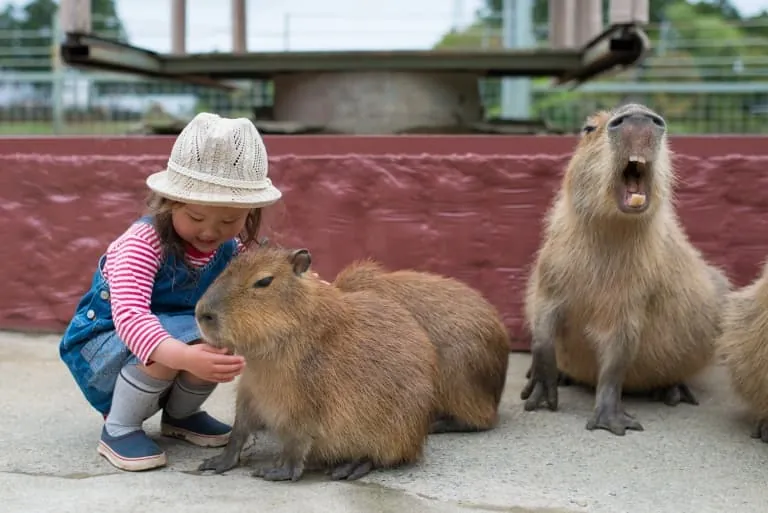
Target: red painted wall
[[467, 206]]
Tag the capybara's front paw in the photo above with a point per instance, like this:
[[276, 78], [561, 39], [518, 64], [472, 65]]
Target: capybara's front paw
[[674, 395], [563, 379], [541, 387], [617, 421], [352, 470], [760, 431], [219, 464]]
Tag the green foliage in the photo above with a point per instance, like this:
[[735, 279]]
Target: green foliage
[[28, 32], [702, 41]]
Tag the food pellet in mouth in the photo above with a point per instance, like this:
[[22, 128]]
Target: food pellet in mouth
[[636, 200]]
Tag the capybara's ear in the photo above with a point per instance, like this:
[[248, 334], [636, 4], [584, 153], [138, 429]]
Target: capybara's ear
[[301, 260]]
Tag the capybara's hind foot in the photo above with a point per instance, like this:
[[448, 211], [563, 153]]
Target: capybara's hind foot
[[282, 471], [674, 395], [449, 424], [760, 430], [352, 470], [617, 421], [563, 379]]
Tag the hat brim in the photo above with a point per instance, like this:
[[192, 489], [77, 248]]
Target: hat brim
[[158, 182]]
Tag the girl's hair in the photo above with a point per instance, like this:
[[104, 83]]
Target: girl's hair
[[160, 209]]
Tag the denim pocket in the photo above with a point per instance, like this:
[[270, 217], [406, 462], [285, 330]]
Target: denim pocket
[[105, 354]]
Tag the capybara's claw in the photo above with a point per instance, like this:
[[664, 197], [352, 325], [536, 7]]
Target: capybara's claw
[[219, 464], [284, 472], [538, 391], [351, 470], [615, 421]]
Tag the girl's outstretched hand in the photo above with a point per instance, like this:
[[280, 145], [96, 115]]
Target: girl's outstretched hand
[[213, 364]]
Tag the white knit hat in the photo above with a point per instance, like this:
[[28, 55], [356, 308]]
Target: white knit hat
[[217, 161]]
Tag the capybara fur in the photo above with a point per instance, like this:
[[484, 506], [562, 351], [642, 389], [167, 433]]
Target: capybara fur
[[345, 380], [618, 297], [743, 348], [471, 340]]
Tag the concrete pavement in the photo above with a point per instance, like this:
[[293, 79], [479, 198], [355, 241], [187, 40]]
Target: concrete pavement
[[688, 459]]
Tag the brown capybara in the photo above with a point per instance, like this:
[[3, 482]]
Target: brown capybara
[[471, 340], [619, 298], [345, 380], [743, 347]]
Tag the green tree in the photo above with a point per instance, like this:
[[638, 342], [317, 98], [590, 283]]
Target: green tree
[[28, 32]]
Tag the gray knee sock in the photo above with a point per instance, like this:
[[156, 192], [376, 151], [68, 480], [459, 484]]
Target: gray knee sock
[[135, 399], [186, 398]]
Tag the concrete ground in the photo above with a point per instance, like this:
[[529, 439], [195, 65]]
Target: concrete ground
[[688, 459]]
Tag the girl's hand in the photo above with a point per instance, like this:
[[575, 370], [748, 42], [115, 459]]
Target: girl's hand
[[317, 276], [213, 364]]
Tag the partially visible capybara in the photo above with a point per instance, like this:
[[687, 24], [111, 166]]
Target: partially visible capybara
[[619, 298], [471, 340], [345, 380], [743, 347]]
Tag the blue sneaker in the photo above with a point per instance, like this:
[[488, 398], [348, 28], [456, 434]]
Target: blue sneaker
[[199, 429], [132, 452]]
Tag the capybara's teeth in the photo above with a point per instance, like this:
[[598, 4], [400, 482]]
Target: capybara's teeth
[[635, 158]]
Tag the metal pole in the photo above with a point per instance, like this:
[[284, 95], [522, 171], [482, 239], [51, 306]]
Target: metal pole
[[239, 34], [517, 23], [57, 83], [179, 27]]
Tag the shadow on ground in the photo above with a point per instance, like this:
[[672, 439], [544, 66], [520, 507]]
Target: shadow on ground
[[688, 459]]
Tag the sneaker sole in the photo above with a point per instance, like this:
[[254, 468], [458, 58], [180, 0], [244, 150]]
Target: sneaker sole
[[131, 464], [194, 438]]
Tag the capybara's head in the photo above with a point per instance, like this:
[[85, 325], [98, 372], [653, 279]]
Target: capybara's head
[[257, 300], [621, 166]]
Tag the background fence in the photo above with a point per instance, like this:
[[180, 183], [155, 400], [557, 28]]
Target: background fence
[[706, 74]]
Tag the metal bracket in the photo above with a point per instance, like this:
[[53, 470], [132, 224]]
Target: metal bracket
[[88, 51], [618, 47]]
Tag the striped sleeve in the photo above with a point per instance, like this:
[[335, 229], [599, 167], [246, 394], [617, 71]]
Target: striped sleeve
[[132, 263]]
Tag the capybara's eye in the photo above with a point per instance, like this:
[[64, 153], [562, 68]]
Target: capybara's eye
[[587, 129], [264, 282]]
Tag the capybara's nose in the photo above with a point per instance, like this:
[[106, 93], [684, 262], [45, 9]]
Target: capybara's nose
[[206, 317], [637, 118]]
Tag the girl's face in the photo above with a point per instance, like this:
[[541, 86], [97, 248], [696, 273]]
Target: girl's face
[[206, 228]]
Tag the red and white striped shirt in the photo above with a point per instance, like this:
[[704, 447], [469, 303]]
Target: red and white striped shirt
[[132, 262]]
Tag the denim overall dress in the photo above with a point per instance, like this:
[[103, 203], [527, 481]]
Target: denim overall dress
[[90, 346]]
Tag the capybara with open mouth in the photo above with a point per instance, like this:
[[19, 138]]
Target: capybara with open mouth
[[619, 298]]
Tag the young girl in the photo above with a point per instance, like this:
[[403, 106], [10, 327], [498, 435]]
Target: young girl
[[133, 346]]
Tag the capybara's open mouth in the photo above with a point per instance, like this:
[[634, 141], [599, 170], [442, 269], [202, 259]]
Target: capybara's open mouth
[[633, 190]]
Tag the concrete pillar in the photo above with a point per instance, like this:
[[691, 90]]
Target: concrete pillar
[[589, 20], [629, 11], [239, 33], [562, 14], [179, 27], [75, 16]]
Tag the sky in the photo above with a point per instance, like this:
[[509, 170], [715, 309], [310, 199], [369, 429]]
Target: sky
[[309, 24]]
